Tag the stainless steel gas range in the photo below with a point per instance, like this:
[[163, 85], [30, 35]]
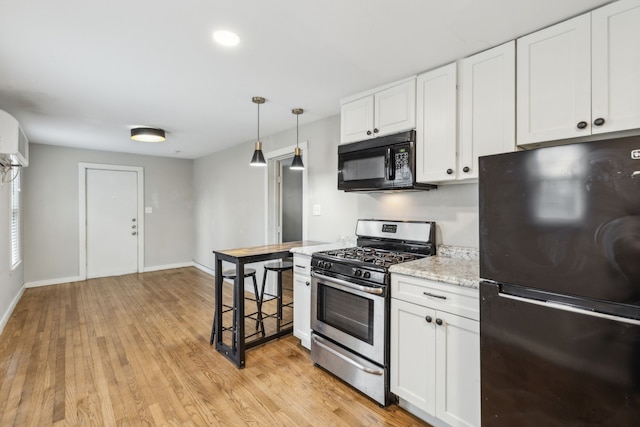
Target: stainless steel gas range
[[350, 301]]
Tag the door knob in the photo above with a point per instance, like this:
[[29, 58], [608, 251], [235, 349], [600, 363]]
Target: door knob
[[449, 171], [599, 121], [428, 319], [582, 125], [439, 321], [133, 226], [133, 219], [133, 233]]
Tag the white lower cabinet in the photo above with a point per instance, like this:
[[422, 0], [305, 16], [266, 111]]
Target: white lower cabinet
[[435, 353], [302, 299]]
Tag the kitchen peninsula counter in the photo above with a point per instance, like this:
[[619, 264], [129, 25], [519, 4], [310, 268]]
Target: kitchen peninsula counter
[[452, 264], [239, 257]]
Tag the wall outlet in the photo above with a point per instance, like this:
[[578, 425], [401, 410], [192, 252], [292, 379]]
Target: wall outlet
[[148, 209], [317, 210]]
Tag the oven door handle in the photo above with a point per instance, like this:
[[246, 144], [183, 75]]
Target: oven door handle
[[367, 289], [319, 342]]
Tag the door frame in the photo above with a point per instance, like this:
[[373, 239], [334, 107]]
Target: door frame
[[271, 204], [82, 205]]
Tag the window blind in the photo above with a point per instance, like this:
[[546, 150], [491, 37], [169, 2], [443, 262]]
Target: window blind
[[15, 221]]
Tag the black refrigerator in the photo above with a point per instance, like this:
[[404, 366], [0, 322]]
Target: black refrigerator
[[560, 285]]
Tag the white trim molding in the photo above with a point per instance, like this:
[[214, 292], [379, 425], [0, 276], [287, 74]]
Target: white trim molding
[[49, 282], [9, 312], [269, 199]]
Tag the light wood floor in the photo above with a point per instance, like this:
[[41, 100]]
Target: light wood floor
[[134, 350]]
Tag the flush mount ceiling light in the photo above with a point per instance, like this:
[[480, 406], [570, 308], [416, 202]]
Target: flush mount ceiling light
[[297, 164], [226, 38], [147, 134], [258, 157]]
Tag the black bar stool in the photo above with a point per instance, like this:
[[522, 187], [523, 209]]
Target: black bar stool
[[257, 315], [279, 267]]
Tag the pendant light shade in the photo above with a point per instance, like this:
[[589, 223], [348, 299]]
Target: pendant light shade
[[297, 164], [147, 134], [258, 157]]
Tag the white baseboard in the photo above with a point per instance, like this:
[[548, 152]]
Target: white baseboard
[[49, 282], [7, 315], [203, 268], [168, 266]]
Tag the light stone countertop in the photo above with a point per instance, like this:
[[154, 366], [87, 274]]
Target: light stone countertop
[[453, 265]]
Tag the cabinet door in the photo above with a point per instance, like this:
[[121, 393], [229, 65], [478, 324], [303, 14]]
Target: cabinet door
[[302, 309], [615, 53], [356, 120], [412, 370], [488, 110], [395, 109], [458, 370], [554, 82], [436, 125]]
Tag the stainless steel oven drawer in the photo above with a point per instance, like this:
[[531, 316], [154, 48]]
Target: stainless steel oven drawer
[[365, 376]]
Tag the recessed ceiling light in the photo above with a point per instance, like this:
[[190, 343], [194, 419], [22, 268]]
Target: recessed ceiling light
[[226, 38]]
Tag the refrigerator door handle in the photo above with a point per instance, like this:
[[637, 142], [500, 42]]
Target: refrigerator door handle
[[572, 308]]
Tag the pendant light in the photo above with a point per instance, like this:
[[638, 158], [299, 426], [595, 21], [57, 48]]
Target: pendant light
[[297, 164], [147, 134], [258, 157]]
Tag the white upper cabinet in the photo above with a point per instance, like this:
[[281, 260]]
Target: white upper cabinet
[[384, 111], [436, 125], [615, 44], [487, 107], [357, 120], [579, 77]]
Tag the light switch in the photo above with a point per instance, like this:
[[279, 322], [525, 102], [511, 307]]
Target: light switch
[[317, 210], [148, 209]]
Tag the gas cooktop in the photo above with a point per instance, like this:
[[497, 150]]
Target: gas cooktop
[[369, 256]]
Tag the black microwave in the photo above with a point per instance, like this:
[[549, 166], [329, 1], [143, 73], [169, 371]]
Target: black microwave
[[379, 164]]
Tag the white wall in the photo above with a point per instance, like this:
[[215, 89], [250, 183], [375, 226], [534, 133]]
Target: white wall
[[453, 207], [10, 281], [229, 197], [50, 196]]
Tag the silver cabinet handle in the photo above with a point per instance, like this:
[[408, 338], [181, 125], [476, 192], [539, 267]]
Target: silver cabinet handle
[[429, 294]]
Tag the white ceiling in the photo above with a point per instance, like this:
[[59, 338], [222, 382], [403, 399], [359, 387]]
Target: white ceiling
[[82, 73]]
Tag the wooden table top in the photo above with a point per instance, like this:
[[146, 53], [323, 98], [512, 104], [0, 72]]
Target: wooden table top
[[265, 249]]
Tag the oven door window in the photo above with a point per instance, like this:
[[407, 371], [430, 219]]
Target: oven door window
[[347, 312]]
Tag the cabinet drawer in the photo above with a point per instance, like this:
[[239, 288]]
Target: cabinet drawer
[[454, 299], [302, 264]]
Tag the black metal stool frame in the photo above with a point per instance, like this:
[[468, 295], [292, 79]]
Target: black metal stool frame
[[278, 267]]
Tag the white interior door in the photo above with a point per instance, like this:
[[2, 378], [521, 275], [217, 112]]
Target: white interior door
[[112, 222]]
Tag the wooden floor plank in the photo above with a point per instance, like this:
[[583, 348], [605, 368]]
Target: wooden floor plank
[[134, 350]]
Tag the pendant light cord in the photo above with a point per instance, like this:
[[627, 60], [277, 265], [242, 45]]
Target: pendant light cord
[[258, 122]]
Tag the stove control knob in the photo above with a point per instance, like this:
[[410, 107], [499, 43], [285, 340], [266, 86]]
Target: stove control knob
[[327, 265], [358, 273], [366, 275]]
